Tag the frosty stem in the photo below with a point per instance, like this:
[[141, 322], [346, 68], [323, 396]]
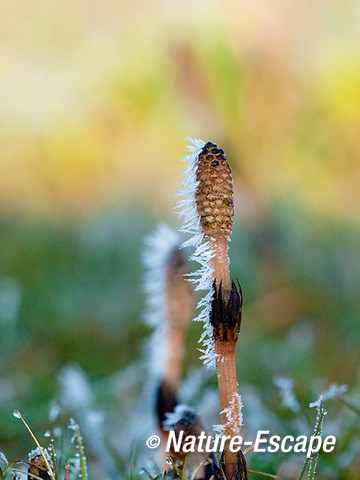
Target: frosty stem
[[227, 382], [209, 210], [225, 354], [225, 351]]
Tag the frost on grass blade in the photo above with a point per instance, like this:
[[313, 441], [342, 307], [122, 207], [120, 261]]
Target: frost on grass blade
[[202, 278], [310, 463], [80, 448], [158, 248], [333, 391]]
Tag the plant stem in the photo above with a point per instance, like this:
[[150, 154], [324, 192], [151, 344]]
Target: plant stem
[[227, 381], [228, 387], [175, 348], [220, 262]]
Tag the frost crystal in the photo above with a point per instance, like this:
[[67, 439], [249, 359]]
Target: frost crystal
[[311, 462], [80, 449], [36, 453], [74, 426], [181, 412], [288, 398], [321, 412], [332, 392], [158, 247], [202, 278], [234, 417]]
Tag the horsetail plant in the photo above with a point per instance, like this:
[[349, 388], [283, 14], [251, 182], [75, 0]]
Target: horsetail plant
[[170, 303], [208, 210]]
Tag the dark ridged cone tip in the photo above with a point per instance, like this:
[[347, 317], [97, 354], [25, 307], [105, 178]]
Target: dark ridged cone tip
[[225, 315]]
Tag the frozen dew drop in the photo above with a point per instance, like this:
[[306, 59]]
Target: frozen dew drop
[[17, 414]]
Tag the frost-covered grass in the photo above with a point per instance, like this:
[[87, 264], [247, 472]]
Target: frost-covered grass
[[73, 339], [48, 462]]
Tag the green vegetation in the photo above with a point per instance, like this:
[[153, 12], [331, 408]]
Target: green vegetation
[[96, 100]]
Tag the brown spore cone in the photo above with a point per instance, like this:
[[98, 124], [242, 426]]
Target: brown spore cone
[[214, 194]]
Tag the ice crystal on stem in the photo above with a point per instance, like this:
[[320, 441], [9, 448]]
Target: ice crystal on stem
[[207, 209], [158, 247]]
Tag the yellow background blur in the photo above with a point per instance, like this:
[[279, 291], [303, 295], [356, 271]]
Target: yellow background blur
[[98, 97]]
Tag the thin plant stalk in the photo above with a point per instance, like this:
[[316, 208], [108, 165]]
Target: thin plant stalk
[[26, 473], [17, 414], [311, 462], [207, 206], [215, 207], [82, 458], [67, 470]]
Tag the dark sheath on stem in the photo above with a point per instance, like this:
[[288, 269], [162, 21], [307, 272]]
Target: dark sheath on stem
[[225, 315]]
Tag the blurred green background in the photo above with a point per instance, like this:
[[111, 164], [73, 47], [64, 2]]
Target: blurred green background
[[96, 101]]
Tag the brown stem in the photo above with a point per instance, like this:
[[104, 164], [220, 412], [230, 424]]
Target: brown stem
[[215, 207], [180, 302], [67, 468], [225, 351], [220, 262], [228, 387], [175, 346], [175, 349]]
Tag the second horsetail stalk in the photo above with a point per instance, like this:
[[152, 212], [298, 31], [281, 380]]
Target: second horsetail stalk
[[209, 216], [170, 302]]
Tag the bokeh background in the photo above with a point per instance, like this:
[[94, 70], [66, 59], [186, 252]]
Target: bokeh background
[[97, 99]]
